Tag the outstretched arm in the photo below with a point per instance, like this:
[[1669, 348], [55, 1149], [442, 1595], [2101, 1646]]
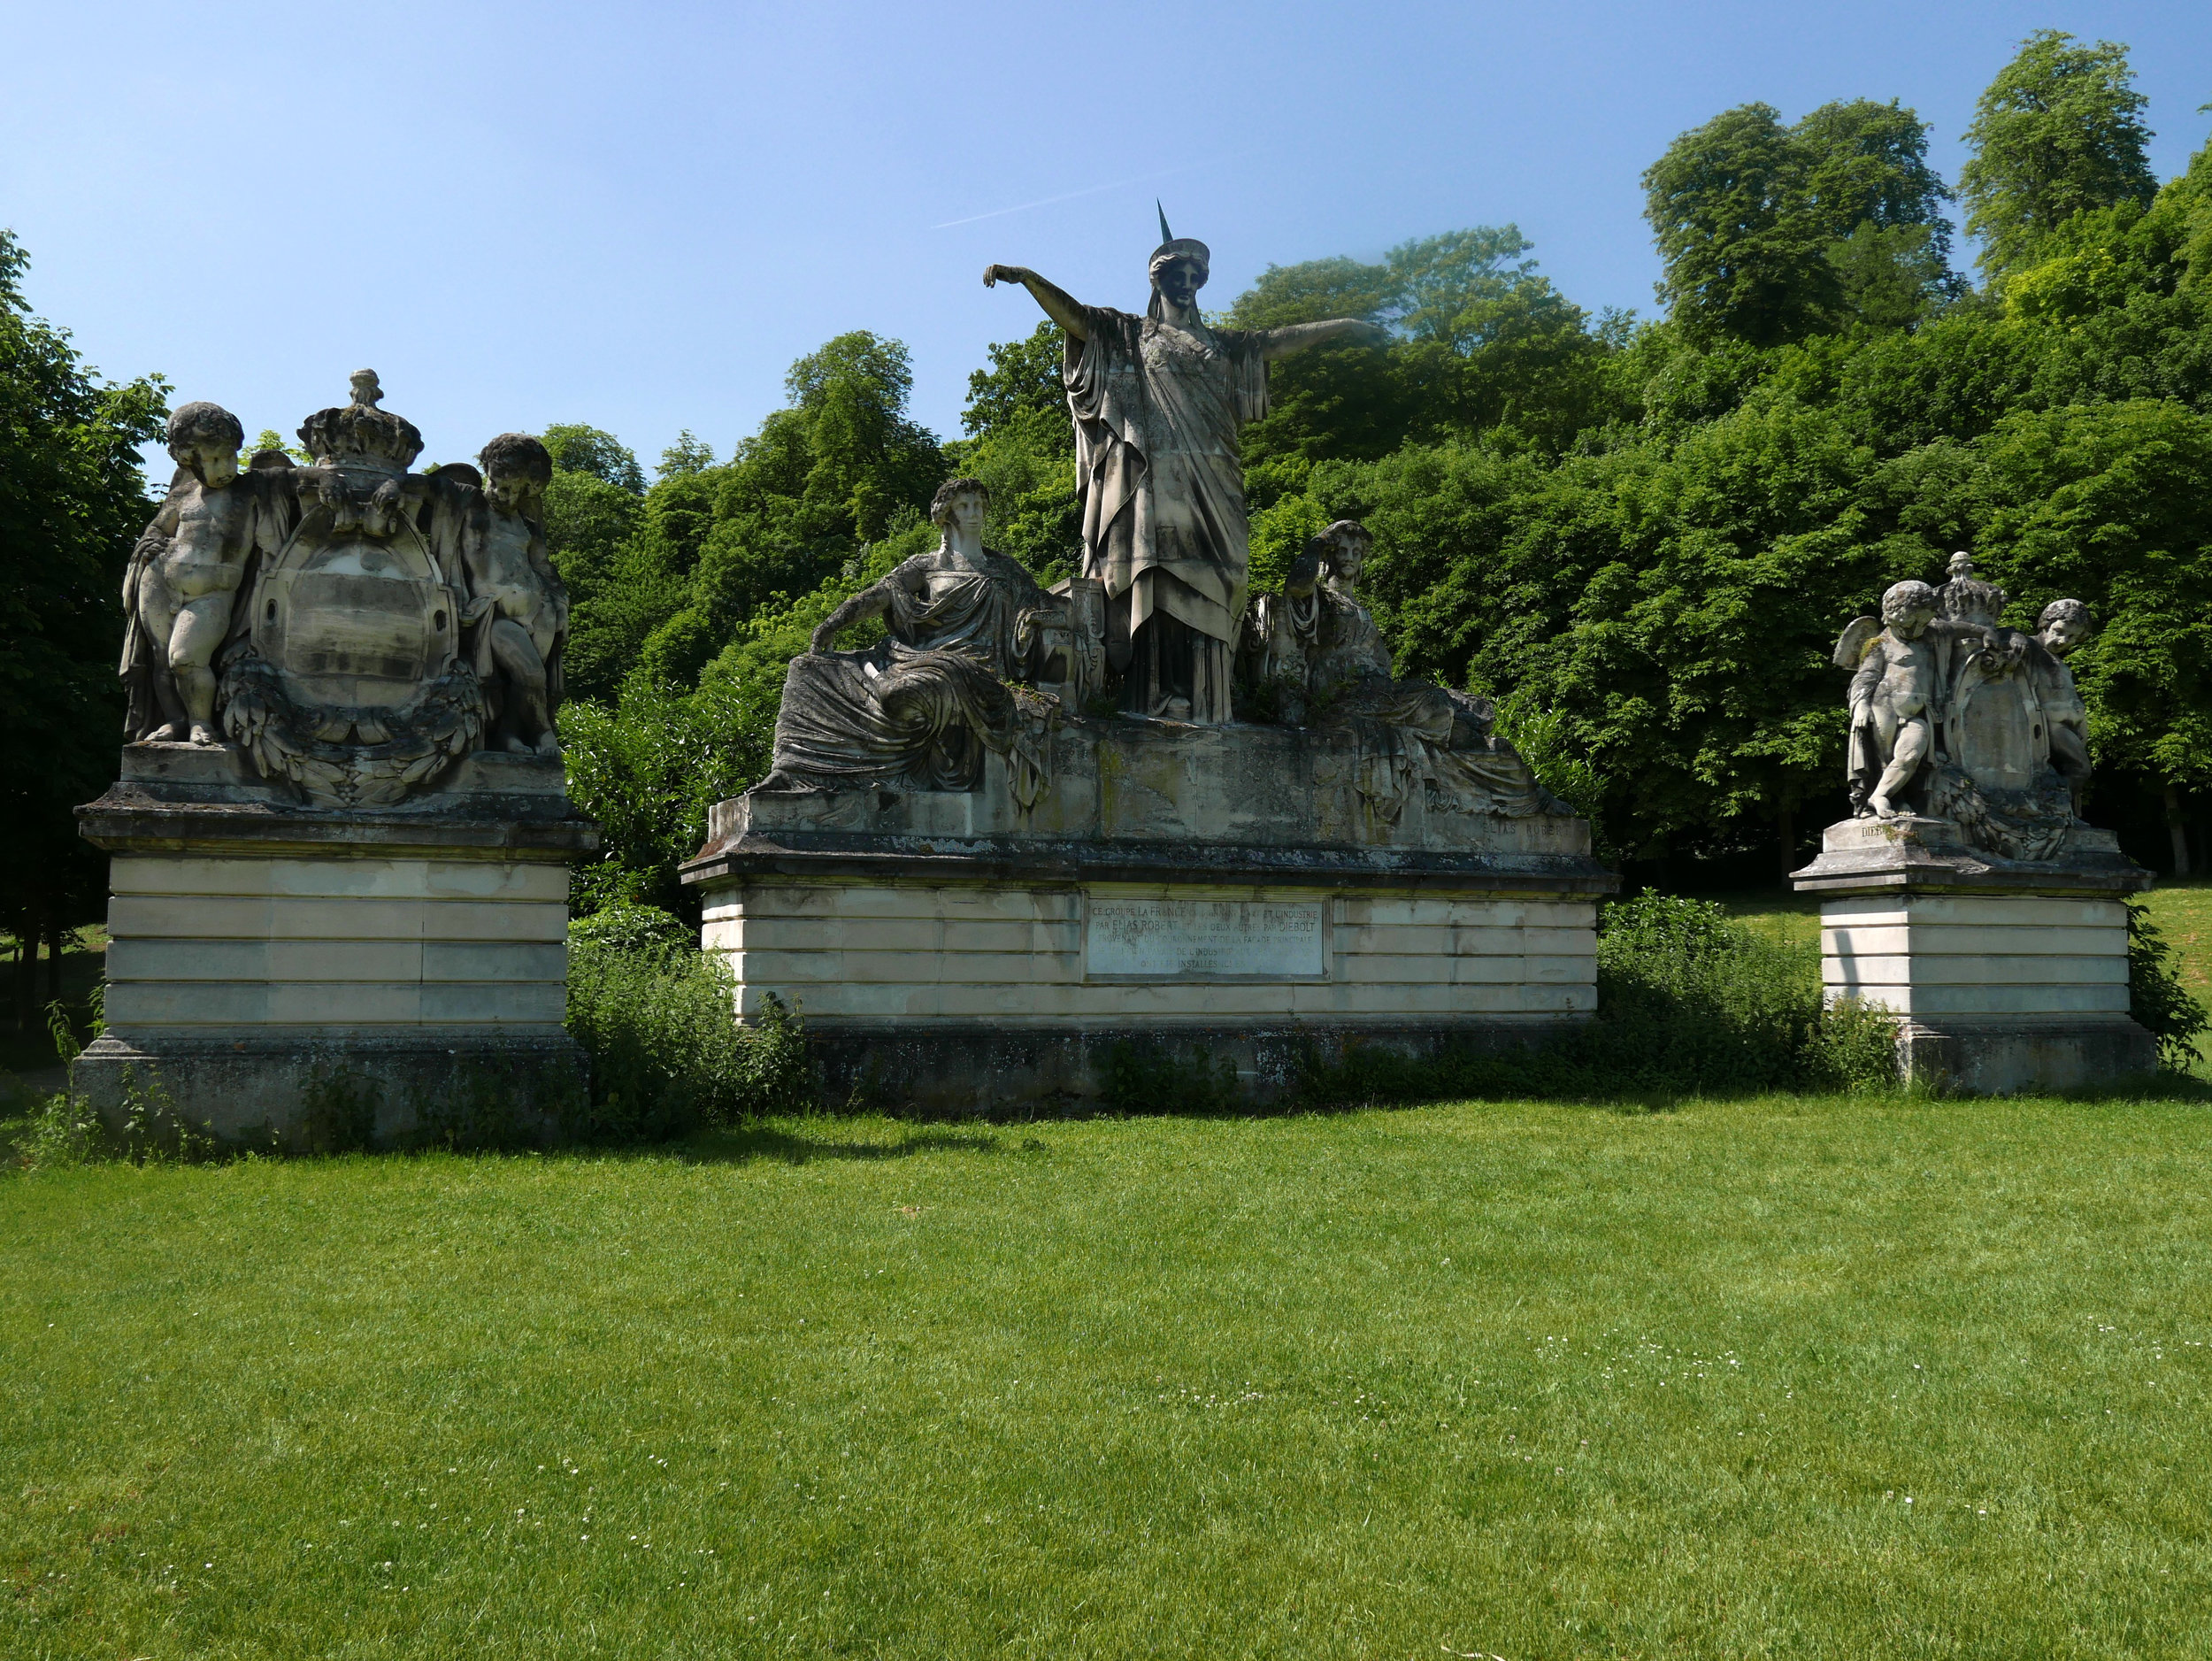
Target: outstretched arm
[[1295, 337], [1060, 306]]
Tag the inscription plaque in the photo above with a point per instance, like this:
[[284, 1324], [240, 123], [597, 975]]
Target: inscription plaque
[[1204, 939]]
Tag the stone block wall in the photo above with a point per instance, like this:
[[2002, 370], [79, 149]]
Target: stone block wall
[[886, 952], [319, 944], [1948, 956]]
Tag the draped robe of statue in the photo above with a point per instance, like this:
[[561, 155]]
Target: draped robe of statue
[[921, 706], [1156, 412], [1325, 646]]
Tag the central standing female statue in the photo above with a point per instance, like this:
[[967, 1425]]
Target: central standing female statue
[[1158, 400]]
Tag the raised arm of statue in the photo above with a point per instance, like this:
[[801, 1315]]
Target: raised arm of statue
[[1060, 306], [1305, 571], [1295, 337]]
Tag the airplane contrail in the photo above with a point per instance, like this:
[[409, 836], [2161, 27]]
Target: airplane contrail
[[1093, 191]]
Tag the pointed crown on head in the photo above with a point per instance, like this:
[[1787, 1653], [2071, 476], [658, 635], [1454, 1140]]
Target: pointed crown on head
[[1174, 247], [359, 435]]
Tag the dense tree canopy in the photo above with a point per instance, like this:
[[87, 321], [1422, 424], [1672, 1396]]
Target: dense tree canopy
[[2058, 133], [71, 504]]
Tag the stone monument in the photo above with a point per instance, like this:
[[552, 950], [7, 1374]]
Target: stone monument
[[341, 839], [1027, 828], [1966, 895]]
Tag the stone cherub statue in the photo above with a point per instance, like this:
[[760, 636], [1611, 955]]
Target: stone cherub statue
[[517, 600], [918, 709], [1894, 696], [1157, 401], [1955, 717], [2062, 627], [1317, 650], [181, 586], [354, 628]]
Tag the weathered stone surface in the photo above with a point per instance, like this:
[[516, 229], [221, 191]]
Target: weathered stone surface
[[264, 954], [1157, 401], [333, 1093], [934, 1068], [1967, 896], [353, 628]]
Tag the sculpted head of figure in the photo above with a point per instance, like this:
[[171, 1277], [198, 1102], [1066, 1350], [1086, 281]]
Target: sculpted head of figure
[[1343, 547], [1907, 608], [960, 503], [1179, 269], [205, 437], [517, 467], [2062, 627]]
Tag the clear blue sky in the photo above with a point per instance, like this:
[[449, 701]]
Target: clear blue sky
[[637, 216]]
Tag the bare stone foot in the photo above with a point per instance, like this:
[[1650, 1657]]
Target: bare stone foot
[[515, 746], [550, 745], [203, 735]]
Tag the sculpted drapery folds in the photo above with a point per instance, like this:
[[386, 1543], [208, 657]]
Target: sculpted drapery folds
[[1316, 652], [1157, 401], [921, 706]]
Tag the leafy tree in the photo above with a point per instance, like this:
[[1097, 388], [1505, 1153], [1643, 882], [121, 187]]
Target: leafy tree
[[2059, 132], [689, 454], [1745, 258], [577, 448], [1021, 443], [71, 504]]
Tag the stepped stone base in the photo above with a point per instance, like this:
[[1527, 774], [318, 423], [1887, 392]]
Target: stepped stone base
[[2005, 976], [336, 977], [1180, 893]]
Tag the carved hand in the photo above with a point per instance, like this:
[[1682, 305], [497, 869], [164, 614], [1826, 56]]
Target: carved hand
[[992, 275], [825, 639]]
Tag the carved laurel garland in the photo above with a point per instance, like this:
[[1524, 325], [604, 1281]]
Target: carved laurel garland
[[344, 758]]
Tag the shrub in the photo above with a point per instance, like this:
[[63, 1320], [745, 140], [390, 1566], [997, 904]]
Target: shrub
[[657, 1018], [1688, 1001], [2156, 998]]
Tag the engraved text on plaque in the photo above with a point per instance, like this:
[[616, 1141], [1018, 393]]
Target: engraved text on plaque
[[1184, 940]]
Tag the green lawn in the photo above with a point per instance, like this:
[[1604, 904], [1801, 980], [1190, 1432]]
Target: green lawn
[[1780, 1378]]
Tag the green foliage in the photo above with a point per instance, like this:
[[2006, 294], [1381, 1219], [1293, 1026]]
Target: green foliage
[[667, 1056], [2158, 1000], [648, 768], [1689, 1003], [1771, 234], [1021, 443], [72, 504], [2060, 132], [1744, 258], [586, 449]]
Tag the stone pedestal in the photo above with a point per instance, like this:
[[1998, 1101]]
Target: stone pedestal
[[1214, 892], [336, 977], [2005, 975]]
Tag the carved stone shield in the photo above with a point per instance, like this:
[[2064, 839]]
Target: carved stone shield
[[354, 622]]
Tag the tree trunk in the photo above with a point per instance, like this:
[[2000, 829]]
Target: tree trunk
[[26, 988], [55, 935], [2178, 829], [1786, 838]]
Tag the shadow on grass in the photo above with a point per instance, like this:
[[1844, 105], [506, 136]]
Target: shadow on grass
[[746, 1144]]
